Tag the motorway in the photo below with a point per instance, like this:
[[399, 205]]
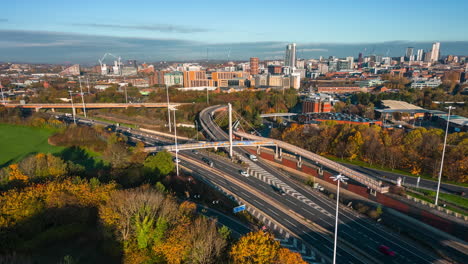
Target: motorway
[[305, 214], [361, 234]]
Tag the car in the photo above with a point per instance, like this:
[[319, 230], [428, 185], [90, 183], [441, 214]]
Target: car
[[176, 160], [244, 173], [386, 250], [278, 190], [253, 157], [195, 152], [208, 161]]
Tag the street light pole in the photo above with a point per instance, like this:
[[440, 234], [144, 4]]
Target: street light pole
[[443, 154], [168, 110], [338, 178], [230, 129], [207, 96], [82, 97], [176, 149], [3, 97], [73, 107]]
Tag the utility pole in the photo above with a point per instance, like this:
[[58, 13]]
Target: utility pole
[[338, 178], [3, 97], [125, 87], [230, 129], [443, 154], [176, 149], [73, 107], [168, 110], [82, 97], [87, 83]]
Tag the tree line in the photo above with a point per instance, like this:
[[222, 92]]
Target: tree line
[[417, 151]]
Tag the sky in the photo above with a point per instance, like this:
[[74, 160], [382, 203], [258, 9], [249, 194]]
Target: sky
[[81, 31]]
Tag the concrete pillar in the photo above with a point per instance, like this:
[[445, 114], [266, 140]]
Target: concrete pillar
[[74, 111], [37, 109], [258, 150], [53, 110], [299, 162]]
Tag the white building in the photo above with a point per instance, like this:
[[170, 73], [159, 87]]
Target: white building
[[420, 55], [435, 53], [290, 58]]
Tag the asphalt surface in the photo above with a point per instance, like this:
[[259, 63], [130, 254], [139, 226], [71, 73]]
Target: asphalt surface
[[359, 232], [362, 236]]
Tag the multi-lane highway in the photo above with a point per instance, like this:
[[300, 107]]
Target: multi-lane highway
[[302, 219], [358, 234]]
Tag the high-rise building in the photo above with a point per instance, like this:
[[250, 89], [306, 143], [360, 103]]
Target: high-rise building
[[253, 66], [420, 55], [351, 62], [360, 60], [290, 58], [435, 52], [409, 52]]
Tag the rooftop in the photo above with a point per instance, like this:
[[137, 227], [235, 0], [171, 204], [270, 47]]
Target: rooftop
[[399, 105]]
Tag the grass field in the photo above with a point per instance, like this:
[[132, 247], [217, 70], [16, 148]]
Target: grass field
[[17, 142]]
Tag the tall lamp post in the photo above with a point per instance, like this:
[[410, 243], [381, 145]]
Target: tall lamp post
[[168, 109], [73, 107], [3, 97], [443, 154], [82, 97], [176, 149], [338, 178]]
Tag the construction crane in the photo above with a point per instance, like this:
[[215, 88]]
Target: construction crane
[[104, 66]]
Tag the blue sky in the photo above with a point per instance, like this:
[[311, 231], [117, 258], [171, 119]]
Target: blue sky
[[185, 28]]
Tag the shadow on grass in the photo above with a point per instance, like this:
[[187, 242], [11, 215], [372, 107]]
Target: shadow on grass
[[54, 233], [93, 166]]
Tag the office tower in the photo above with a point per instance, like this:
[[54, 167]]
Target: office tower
[[290, 58], [351, 62], [409, 52], [359, 60], [420, 56], [253, 66], [435, 53]]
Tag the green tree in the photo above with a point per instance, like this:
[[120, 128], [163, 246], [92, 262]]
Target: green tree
[[160, 164]]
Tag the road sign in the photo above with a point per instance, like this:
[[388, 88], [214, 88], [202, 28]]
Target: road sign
[[239, 208]]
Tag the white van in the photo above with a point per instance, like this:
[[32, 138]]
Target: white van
[[253, 157]]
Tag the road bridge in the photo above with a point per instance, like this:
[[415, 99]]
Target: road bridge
[[278, 115], [204, 145], [215, 132], [54, 106]]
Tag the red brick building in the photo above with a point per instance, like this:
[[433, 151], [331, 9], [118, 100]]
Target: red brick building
[[253, 66]]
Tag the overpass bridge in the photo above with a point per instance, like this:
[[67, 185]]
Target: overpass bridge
[[359, 177], [278, 115], [214, 144], [215, 132], [39, 106]]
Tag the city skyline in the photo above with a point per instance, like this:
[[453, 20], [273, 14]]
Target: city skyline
[[51, 32], [61, 48]]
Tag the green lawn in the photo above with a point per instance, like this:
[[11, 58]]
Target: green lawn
[[17, 142]]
